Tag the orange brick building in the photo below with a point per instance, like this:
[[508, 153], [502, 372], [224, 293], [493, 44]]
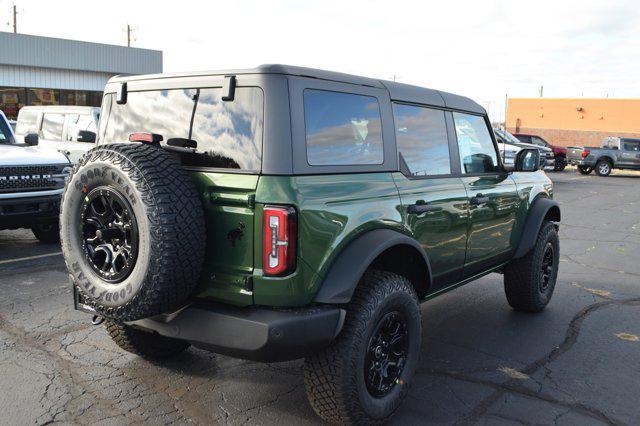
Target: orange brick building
[[571, 122]]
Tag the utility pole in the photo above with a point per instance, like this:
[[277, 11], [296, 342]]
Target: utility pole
[[506, 103], [541, 91], [15, 19], [130, 30]]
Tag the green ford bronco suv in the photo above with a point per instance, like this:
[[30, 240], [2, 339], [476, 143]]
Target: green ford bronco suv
[[281, 212]]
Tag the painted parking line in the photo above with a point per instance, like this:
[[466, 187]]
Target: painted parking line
[[22, 259]]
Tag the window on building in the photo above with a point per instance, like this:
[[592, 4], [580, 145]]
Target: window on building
[[228, 134], [11, 100], [43, 97], [52, 125], [477, 152], [421, 136], [342, 129]]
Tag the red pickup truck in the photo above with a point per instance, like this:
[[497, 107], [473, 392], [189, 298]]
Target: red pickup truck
[[559, 153]]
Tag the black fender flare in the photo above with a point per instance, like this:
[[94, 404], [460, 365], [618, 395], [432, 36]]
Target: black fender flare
[[348, 268], [541, 208]]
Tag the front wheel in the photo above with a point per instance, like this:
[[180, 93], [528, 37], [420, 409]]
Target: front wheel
[[363, 377], [585, 170], [47, 232], [529, 281], [603, 168]]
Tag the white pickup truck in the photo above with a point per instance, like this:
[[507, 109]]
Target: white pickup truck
[[31, 182]]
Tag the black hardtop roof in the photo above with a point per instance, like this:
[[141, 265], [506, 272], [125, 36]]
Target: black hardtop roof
[[398, 91]]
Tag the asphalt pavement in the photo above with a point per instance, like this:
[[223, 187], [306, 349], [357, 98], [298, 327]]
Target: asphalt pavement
[[578, 362]]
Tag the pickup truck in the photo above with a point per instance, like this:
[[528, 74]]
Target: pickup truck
[[615, 153]]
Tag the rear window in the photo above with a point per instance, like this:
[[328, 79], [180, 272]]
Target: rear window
[[228, 134], [27, 123], [342, 129]]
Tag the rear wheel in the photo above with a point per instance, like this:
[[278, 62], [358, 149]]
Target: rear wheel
[[529, 281], [560, 164], [585, 170], [145, 344], [363, 376], [47, 232], [603, 168]]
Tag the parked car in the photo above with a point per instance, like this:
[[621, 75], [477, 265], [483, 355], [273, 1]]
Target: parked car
[[546, 154], [283, 212], [68, 129], [615, 153], [507, 150], [559, 152], [31, 183]]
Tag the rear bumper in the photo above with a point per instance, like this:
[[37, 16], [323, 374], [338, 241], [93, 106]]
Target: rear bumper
[[258, 334], [579, 162], [26, 211]]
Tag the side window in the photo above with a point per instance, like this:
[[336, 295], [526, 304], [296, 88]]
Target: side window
[[342, 129], [477, 152], [421, 136], [52, 125], [631, 146], [537, 141], [27, 123], [72, 126]]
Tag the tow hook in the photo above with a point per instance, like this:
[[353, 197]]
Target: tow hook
[[97, 320]]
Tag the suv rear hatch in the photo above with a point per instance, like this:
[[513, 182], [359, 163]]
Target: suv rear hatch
[[220, 142]]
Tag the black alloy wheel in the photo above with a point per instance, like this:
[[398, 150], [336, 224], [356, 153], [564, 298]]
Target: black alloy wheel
[[386, 354], [110, 234], [547, 267]]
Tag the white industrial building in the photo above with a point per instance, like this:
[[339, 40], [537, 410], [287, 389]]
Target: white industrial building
[[49, 71]]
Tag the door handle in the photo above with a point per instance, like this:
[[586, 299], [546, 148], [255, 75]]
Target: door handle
[[422, 208], [479, 200]]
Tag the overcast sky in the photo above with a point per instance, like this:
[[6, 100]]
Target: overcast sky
[[481, 49]]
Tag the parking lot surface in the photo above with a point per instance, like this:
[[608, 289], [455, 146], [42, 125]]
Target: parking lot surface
[[575, 363]]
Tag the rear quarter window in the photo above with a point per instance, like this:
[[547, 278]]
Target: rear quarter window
[[342, 129]]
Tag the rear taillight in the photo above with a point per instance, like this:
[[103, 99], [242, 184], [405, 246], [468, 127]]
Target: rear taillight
[[278, 240], [585, 153]]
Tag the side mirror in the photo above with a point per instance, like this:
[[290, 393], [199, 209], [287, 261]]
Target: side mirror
[[31, 139], [527, 160], [86, 136]]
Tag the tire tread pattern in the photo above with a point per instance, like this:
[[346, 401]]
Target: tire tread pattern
[[329, 377], [522, 276], [177, 228], [145, 344]]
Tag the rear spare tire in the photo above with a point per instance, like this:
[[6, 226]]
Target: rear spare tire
[[132, 230]]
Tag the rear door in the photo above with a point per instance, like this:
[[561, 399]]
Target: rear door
[[225, 166], [434, 200], [630, 155], [492, 195]]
